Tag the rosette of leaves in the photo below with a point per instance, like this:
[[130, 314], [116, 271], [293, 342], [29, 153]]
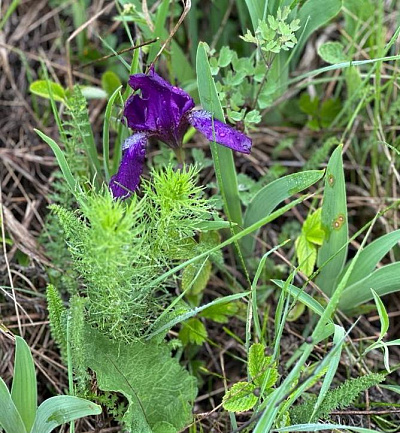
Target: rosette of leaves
[[243, 396]]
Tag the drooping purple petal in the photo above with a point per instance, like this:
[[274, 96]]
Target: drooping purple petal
[[127, 178], [221, 133], [159, 109]]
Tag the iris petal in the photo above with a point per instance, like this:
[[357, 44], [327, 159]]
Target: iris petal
[[159, 109], [127, 178], [221, 133]]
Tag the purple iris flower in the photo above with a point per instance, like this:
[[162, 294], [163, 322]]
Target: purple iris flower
[[164, 112]]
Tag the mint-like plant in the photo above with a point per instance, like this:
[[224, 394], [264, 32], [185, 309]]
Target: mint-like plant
[[19, 412]]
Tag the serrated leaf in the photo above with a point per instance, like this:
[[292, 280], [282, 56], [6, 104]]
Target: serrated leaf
[[220, 313], [332, 52], [157, 388], [193, 331], [41, 88], [195, 277], [261, 367], [240, 397]]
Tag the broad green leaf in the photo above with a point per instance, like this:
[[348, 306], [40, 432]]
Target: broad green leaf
[[261, 367], [332, 254], [312, 228], [110, 82], [269, 197], [383, 281], [157, 388], [41, 88], [193, 331], [313, 15], [222, 156], [10, 419], [306, 254], [195, 277], [301, 296], [371, 255], [220, 313], [24, 388], [61, 409], [62, 162], [295, 312], [240, 397], [332, 52], [92, 92]]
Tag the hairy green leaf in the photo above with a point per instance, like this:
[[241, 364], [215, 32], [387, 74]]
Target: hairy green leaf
[[158, 389]]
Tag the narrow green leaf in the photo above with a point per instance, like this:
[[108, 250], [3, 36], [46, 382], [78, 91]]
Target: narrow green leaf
[[10, 419], [41, 88], [301, 296], [269, 197], [222, 156], [195, 311], [62, 162], [338, 340], [371, 255], [159, 28], [24, 387], [332, 254], [321, 427], [61, 409], [106, 133], [313, 15], [383, 315], [256, 11], [383, 281]]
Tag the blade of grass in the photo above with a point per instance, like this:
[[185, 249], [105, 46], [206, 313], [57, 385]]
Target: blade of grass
[[106, 133], [223, 157], [62, 162]]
